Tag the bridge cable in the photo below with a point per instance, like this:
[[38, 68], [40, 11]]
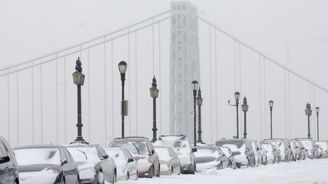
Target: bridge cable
[[32, 97], [265, 98], [216, 84], [160, 78], [266, 57], [235, 64], [260, 92], [89, 96], [105, 90], [56, 81], [129, 78], [65, 101], [112, 78], [210, 65], [41, 102], [17, 107], [136, 77], [8, 104]]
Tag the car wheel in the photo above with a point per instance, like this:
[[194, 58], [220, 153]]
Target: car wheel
[[100, 178], [151, 172], [158, 171]]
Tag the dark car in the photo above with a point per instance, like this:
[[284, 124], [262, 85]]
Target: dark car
[[8, 164], [143, 151], [46, 164], [94, 164]]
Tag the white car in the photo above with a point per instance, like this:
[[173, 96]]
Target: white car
[[323, 148], [270, 152], [93, 163], [246, 156], [181, 146], [230, 156], [286, 153], [208, 157], [312, 150], [169, 161], [126, 166]]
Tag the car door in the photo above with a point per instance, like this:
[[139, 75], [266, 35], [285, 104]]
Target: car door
[[69, 168], [131, 166], [7, 168], [107, 164], [154, 158]]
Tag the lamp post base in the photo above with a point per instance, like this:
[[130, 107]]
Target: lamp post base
[[79, 140]]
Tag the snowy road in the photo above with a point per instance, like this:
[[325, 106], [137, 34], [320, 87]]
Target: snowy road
[[301, 172]]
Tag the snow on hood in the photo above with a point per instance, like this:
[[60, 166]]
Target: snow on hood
[[163, 154]]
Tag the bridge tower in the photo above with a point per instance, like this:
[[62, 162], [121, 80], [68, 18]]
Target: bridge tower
[[184, 66]]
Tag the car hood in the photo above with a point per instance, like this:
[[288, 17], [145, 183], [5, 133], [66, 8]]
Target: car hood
[[38, 167]]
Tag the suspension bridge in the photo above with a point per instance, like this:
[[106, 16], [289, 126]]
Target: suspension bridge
[[38, 97]]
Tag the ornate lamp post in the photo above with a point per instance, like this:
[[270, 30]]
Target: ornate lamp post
[[154, 94], [237, 97], [271, 108], [78, 79], [199, 103], [244, 107], [195, 87], [317, 110], [122, 67], [308, 112]]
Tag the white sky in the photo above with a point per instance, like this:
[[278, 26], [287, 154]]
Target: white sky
[[294, 32]]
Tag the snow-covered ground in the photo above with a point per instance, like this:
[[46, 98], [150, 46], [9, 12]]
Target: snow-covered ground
[[301, 172]]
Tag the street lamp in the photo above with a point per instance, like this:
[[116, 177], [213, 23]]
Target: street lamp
[[122, 67], [78, 79], [237, 96], [317, 110], [244, 107], [195, 87], [308, 112], [154, 94], [199, 103], [271, 108]]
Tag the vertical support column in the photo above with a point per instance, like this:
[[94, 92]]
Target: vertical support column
[[184, 66]]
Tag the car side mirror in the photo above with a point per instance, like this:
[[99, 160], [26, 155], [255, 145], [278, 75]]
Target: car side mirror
[[152, 152], [105, 156], [130, 160], [4, 159], [193, 150], [63, 162]]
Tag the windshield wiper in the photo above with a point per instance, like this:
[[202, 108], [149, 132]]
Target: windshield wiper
[[86, 157]]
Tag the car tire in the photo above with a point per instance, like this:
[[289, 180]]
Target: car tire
[[151, 172], [127, 176]]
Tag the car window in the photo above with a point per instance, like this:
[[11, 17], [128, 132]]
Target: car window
[[68, 156]]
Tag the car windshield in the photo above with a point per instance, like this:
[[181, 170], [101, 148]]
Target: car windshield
[[116, 154], [127, 145], [226, 151], [84, 154], [237, 143], [31, 156], [142, 148], [163, 153]]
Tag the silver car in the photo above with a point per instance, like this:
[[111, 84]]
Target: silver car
[[286, 152], [181, 146], [169, 161], [126, 165], [298, 149], [94, 164], [46, 164], [228, 158], [244, 147], [312, 150], [8, 164]]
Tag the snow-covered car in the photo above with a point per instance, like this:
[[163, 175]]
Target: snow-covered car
[[228, 156], [94, 164], [246, 156], [169, 161], [208, 157], [312, 150], [181, 146], [272, 153], [143, 152], [126, 165], [8, 164], [286, 153], [45, 164], [299, 152], [324, 147]]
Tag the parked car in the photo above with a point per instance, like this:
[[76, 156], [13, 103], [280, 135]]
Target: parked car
[[246, 156], [324, 147], [286, 153], [272, 153], [229, 156], [181, 146], [169, 161], [94, 164], [312, 150], [147, 159], [43, 164], [298, 149], [208, 157], [8, 164], [126, 165]]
